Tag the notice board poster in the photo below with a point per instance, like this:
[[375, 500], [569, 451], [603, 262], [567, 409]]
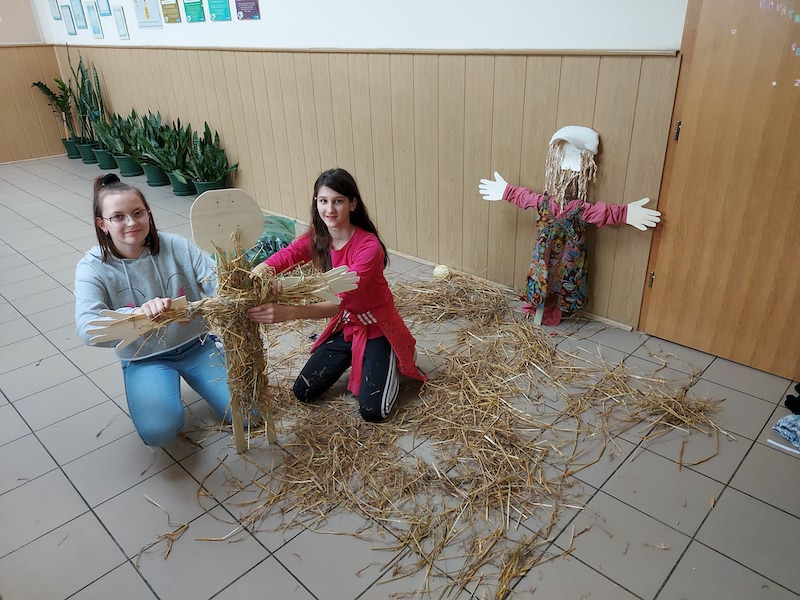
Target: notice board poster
[[247, 9]]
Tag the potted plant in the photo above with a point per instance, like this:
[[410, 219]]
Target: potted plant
[[154, 133], [171, 157], [207, 165], [120, 137], [62, 108], [88, 102]]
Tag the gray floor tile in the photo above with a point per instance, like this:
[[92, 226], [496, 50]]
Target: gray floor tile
[[115, 467], [12, 426], [770, 475], [565, 577], [64, 338], [675, 356], [13, 261], [27, 287], [53, 318], [72, 557], [19, 274], [281, 583], [35, 513], [738, 413], [47, 300], [23, 460], [85, 432], [59, 402], [656, 486], [715, 457], [746, 379], [632, 549], [612, 337], [25, 352], [17, 330], [357, 564], [8, 313], [181, 577], [37, 376], [755, 534], [135, 522], [123, 583], [707, 574]]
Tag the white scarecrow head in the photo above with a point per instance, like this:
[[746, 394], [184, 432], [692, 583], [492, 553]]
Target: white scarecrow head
[[570, 162]]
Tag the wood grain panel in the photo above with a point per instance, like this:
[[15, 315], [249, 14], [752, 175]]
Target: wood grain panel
[[477, 157], [306, 102], [294, 132], [617, 88], [577, 90], [657, 83], [508, 116], [452, 125], [325, 142], [382, 143], [252, 151], [280, 135], [196, 89], [269, 195], [360, 102], [426, 155], [341, 111], [405, 205], [52, 126], [237, 148]]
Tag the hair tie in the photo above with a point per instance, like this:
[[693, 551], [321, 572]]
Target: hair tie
[[109, 178]]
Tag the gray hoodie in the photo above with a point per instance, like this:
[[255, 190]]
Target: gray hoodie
[[179, 269]]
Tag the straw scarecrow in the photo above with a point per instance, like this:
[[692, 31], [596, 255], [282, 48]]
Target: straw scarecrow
[[214, 216], [558, 276]]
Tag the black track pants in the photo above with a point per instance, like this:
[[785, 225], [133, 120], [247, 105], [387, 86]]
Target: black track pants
[[379, 375]]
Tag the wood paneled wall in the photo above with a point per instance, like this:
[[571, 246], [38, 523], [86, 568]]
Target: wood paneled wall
[[419, 131], [28, 127]]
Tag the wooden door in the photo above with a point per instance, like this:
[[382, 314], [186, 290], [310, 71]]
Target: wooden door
[[726, 258]]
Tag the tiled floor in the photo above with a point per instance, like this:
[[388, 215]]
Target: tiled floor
[[74, 474]]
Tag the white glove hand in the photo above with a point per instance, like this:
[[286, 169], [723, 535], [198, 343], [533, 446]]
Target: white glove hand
[[493, 190], [333, 282], [641, 217], [127, 327]]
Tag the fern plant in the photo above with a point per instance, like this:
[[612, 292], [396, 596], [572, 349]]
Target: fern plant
[[207, 160]]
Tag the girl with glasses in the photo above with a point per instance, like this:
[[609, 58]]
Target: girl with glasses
[[136, 268]]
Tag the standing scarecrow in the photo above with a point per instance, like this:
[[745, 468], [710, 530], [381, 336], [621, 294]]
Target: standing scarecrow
[[557, 280]]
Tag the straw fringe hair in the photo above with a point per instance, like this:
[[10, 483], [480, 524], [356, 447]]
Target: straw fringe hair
[[558, 181]]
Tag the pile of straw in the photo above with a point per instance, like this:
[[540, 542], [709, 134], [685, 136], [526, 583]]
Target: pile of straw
[[473, 474]]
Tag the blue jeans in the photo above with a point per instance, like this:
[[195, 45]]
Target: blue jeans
[[152, 386]]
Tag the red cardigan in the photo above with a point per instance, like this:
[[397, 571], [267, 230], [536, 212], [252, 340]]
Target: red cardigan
[[366, 312]]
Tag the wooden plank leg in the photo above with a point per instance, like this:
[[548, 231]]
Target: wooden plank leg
[[237, 420]]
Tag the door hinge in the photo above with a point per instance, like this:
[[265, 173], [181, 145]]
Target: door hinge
[[651, 278], [677, 131]]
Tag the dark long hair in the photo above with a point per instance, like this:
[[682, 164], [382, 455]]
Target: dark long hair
[[341, 182], [110, 183]]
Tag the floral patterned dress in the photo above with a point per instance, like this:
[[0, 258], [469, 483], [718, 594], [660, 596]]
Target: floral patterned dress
[[558, 274]]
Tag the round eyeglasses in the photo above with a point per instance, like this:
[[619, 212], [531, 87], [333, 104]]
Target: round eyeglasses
[[121, 220]]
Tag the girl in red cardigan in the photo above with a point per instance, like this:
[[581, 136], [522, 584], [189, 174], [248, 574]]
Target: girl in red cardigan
[[366, 332]]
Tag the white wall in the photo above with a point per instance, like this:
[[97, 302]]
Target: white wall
[[409, 24]]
